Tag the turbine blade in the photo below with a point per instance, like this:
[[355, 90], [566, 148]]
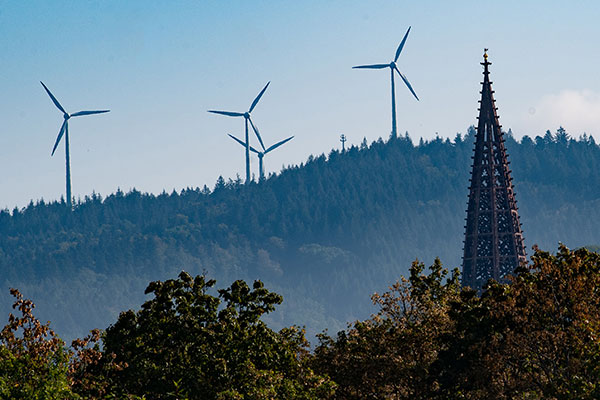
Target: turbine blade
[[243, 144], [60, 135], [228, 113], [80, 113], [256, 100], [276, 145], [257, 134], [401, 45], [372, 66], [407, 83], [56, 103]]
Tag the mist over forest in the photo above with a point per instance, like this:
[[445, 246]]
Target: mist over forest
[[325, 234]]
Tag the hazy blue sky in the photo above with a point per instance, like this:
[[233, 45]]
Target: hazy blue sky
[[160, 65]]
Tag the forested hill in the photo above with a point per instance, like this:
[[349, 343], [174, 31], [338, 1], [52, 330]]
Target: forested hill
[[325, 234]]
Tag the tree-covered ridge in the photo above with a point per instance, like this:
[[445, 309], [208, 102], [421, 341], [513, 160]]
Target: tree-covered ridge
[[325, 234]]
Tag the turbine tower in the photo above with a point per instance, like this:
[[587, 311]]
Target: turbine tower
[[393, 67], [261, 154], [493, 238], [64, 131], [247, 119]]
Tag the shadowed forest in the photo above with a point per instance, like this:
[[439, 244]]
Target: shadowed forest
[[357, 219]]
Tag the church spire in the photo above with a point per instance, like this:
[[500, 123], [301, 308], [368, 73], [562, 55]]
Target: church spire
[[493, 245]]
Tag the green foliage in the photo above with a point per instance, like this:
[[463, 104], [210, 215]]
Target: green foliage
[[182, 344], [34, 363], [389, 355], [536, 337], [187, 342]]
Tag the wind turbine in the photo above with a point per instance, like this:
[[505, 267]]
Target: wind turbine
[[247, 119], [393, 67], [261, 154], [64, 131]]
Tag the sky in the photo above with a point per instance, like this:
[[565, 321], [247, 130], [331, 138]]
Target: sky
[[160, 65]]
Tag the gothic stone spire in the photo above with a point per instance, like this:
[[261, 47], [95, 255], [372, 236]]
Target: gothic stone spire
[[493, 245]]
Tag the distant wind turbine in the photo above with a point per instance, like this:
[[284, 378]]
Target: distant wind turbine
[[247, 119], [64, 131], [261, 154], [392, 66]]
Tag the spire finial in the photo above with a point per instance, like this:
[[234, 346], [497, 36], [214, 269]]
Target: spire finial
[[485, 63]]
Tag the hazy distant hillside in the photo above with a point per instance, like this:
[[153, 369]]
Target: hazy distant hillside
[[325, 234]]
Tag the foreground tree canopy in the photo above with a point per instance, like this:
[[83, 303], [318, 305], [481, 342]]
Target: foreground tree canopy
[[536, 337], [182, 342]]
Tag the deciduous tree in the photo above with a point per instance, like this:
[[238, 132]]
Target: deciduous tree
[[188, 342]]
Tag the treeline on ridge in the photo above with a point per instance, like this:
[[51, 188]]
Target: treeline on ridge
[[326, 234]]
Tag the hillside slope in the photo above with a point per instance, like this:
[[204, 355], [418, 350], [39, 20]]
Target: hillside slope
[[325, 234]]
